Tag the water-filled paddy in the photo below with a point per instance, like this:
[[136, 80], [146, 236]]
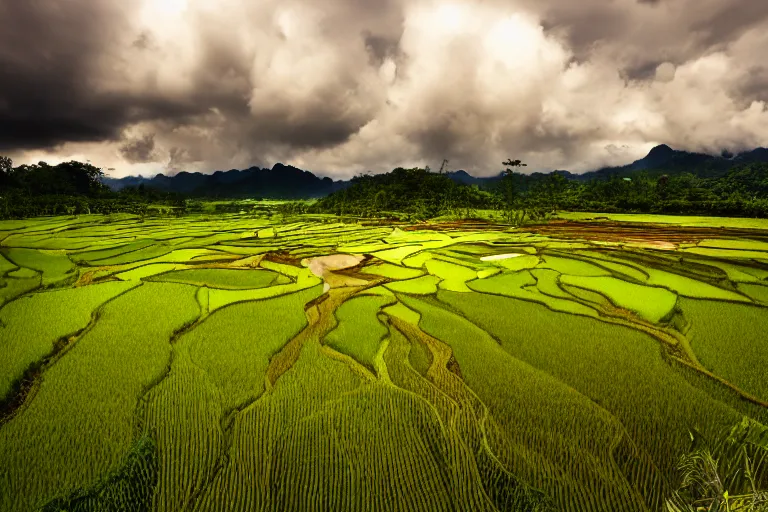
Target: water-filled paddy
[[237, 364]]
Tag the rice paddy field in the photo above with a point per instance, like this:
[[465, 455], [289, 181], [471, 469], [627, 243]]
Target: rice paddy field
[[238, 364]]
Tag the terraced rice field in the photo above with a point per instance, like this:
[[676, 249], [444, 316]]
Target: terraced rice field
[[236, 365]]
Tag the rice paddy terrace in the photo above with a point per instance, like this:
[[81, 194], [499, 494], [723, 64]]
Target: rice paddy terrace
[[236, 365]]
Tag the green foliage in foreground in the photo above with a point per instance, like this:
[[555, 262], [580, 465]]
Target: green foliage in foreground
[[726, 473]]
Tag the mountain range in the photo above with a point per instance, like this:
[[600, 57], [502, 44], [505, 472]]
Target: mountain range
[[279, 182], [288, 182]]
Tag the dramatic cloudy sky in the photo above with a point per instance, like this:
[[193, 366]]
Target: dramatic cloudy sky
[[343, 86]]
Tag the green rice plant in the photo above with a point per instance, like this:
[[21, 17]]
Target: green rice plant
[[402, 312], [146, 253], [23, 273], [183, 412], [650, 303], [757, 292], [618, 368], [572, 267], [457, 400], [92, 256], [282, 268], [482, 236], [181, 256], [11, 287], [220, 298], [210, 241], [466, 418], [210, 256], [688, 287], [738, 273], [453, 277], [55, 266], [373, 246], [376, 290], [220, 278], [522, 285], [560, 245], [75, 243], [130, 487], [418, 260], [548, 283], [33, 324], [399, 236], [489, 272], [392, 271], [81, 421], [549, 434], [474, 249], [359, 333], [726, 253], [398, 254], [519, 263], [611, 259], [722, 334], [677, 220], [233, 345], [424, 285], [243, 250], [5, 266], [420, 358], [323, 439], [735, 244], [144, 271]]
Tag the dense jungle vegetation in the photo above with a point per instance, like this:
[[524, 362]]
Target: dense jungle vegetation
[[740, 191]]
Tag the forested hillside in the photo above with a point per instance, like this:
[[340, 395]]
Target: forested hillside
[[741, 191]]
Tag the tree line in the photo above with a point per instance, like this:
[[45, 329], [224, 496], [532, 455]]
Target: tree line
[[72, 188], [741, 191], [417, 193]]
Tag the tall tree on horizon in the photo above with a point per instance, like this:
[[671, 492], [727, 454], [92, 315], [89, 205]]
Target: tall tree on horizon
[[510, 188]]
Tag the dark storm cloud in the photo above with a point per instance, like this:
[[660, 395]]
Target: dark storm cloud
[[644, 71], [51, 60], [346, 85], [379, 46], [755, 84], [728, 20], [139, 150], [47, 52]]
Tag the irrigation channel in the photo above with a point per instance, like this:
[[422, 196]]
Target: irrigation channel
[[237, 364]]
